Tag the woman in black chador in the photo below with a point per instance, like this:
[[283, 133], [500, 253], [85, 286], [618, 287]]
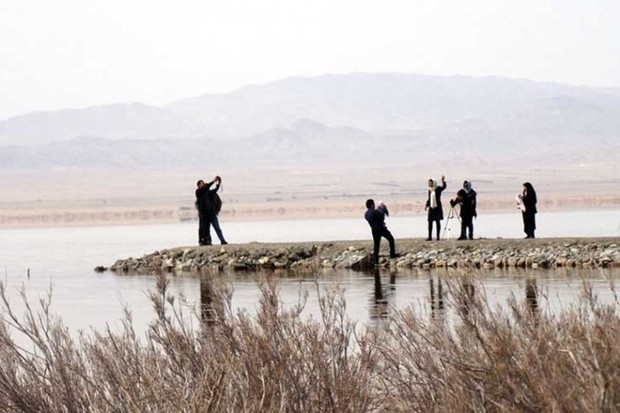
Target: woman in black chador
[[433, 206], [528, 197]]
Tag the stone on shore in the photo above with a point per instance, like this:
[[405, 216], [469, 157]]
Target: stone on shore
[[357, 255]]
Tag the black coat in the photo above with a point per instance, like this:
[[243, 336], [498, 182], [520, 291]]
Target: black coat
[[529, 202], [467, 200], [436, 214], [215, 200], [203, 198], [375, 218]]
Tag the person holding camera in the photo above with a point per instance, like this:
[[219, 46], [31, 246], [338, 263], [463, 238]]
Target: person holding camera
[[208, 203], [216, 207], [376, 220], [433, 206], [466, 198]]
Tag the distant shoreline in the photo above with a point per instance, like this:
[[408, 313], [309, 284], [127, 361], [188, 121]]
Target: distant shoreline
[[96, 197], [35, 216]]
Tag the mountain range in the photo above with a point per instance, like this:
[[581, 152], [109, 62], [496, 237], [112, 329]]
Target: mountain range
[[358, 117]]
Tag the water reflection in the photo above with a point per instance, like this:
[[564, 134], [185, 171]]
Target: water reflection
[[437, 300], [380, 298], [440, 295], [467, 297], [531, 294], [210, 301]]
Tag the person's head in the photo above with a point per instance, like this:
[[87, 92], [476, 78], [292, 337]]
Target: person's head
[[200, 183], [370, 204], [527, 187], [431, 184], [466, 185]]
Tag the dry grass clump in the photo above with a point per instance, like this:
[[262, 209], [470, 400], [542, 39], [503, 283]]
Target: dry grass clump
[[470, 358], [511, 359]]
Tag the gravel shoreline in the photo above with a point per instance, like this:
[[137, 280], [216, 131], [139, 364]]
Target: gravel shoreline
[[357, 255]]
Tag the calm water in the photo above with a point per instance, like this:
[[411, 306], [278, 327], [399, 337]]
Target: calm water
[[64, 258]]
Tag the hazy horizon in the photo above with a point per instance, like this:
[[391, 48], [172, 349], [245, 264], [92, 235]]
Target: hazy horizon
[[356, 118], [200, 94], [77, 54], [239, 86]]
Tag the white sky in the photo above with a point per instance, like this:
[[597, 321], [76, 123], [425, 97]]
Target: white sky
[[74, 53]]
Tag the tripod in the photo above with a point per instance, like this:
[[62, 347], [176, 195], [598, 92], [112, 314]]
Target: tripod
[[451, 215]]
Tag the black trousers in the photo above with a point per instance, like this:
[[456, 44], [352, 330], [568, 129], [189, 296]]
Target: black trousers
[[529, 223], [205, 220], [204, 223], [376, 237], [467, 227], [430, 229]]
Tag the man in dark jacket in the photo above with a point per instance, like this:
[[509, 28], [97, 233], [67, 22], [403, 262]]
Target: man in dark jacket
[[203, 205], [466, 198], [208, 208], [376, 220]]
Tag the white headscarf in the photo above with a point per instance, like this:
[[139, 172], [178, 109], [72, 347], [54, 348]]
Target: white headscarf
[[433, 194], [467, 186]]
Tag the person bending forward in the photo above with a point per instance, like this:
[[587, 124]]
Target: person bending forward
[[466, 198], [376, 220]]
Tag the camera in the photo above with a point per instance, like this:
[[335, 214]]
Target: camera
[[452, 203]]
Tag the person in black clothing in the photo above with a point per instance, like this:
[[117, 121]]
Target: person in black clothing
[[528, 197], [216, 206], [376, 220], [433, 206], [206, 211], [466, 198], [202, 205]]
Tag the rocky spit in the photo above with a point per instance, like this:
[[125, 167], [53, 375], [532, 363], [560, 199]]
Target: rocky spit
[[357, 255]]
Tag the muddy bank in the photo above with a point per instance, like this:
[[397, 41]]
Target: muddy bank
[[357, 255]]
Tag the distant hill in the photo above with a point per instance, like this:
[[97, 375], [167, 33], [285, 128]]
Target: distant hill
[[352, 118], [118, 121], [396, 102]]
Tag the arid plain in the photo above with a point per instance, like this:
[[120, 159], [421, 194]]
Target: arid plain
[[76, 197]]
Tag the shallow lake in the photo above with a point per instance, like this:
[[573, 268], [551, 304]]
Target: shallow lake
[[63, 259]]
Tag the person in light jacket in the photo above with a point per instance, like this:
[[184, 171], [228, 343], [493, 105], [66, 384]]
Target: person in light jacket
[[433, 206]]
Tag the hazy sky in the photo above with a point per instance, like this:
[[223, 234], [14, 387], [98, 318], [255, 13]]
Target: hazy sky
[[74, 53]]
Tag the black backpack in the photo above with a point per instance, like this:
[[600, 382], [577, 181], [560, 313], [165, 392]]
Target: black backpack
[[216, 202]]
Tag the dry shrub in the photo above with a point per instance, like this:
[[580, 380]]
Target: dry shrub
[[470, 358], [516, 358]]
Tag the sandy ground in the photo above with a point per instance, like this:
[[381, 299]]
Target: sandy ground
[[102, 197]]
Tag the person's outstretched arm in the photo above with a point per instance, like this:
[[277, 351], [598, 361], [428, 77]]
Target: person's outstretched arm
[[218, 182]]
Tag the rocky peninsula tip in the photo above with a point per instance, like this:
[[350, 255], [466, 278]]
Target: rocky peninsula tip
[[357, 255]]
